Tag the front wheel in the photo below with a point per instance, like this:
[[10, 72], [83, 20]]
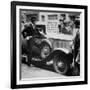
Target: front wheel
[[60, 65]]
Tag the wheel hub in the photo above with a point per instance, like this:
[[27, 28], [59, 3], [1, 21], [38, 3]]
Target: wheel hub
[[60, 64]]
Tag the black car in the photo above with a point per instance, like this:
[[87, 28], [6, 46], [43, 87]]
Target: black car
[[51, 51]]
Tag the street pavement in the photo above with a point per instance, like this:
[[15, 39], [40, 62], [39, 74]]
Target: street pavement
[[36, 72]]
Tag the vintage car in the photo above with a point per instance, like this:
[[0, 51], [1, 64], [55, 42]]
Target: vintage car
[[55, 50]]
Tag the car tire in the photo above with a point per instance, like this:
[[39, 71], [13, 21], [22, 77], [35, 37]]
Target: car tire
[[60, 65]]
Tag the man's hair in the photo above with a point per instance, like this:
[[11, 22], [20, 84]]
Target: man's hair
[[33, 19]]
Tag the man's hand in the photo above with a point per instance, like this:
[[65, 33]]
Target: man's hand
[[28, 37]]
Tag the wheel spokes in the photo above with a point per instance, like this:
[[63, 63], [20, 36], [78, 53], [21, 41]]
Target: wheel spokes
[[61, 66]]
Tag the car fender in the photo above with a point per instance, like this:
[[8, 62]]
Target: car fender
[[62, 49], [59, 52], [47, 41]]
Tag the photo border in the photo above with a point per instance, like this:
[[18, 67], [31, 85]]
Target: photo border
[[13, 44]]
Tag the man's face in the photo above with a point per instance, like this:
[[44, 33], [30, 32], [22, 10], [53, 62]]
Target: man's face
[[61, 22], [34, 21]]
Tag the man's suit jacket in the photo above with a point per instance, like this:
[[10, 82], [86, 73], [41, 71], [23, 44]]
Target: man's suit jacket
[[29, 30]]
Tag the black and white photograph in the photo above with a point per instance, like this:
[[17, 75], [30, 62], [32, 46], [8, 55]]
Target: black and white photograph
[[51, 39], [49, 44]]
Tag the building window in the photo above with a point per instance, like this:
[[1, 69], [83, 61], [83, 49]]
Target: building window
[[52, 17], [43, 18]]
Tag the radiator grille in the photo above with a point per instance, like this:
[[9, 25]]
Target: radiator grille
[[61, 44]]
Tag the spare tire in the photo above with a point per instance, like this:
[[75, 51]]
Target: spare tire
[[45, 50]]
